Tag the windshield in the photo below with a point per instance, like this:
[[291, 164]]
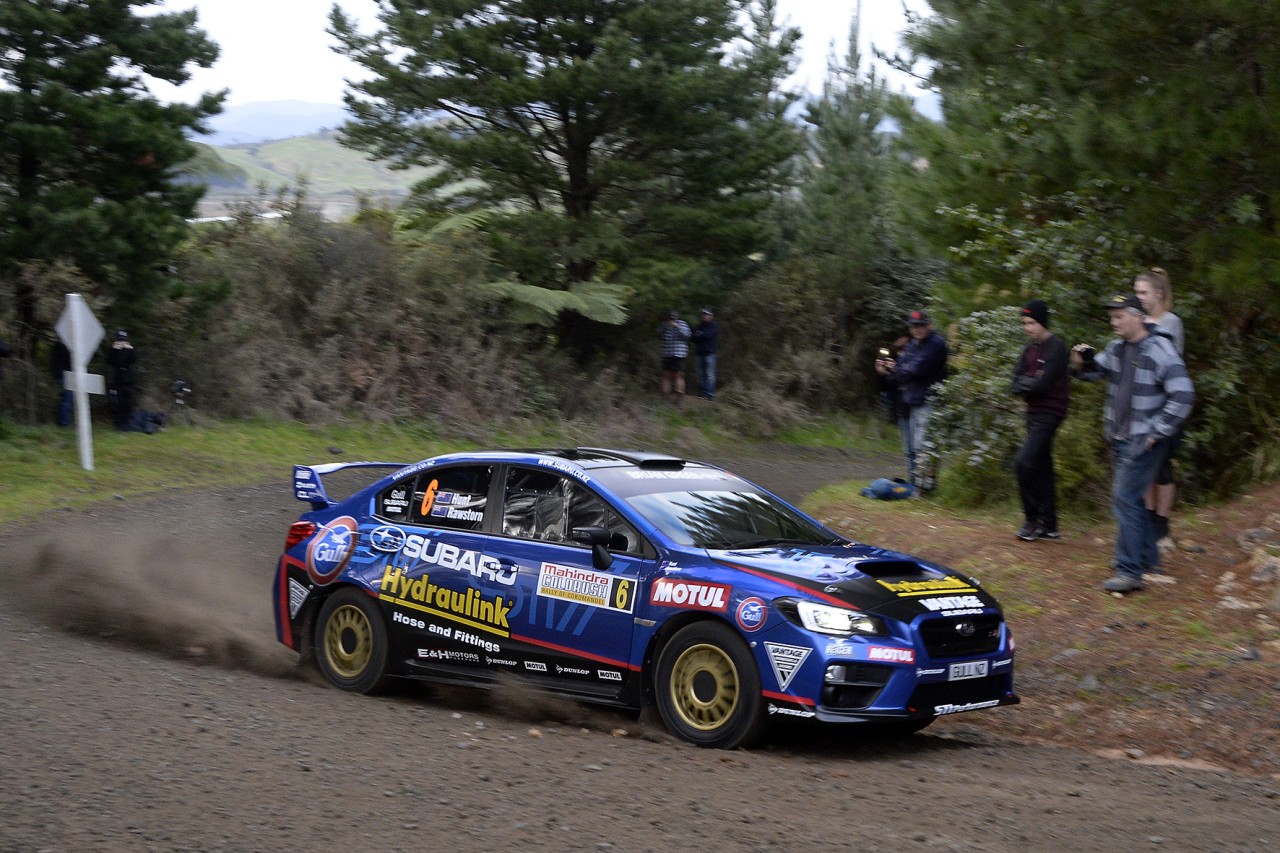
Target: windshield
[[722, 520]]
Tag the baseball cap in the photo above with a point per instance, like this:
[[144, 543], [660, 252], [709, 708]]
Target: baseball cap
[[918, 318], [1124, 300]]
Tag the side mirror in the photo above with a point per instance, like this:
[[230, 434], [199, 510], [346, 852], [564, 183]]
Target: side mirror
[[598, 538]]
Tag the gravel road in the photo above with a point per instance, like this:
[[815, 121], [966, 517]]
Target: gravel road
[[144, 705]]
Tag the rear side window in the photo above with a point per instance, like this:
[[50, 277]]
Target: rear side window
[[453, 498], [546, 506]]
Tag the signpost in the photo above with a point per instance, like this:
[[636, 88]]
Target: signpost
[[81, 332]]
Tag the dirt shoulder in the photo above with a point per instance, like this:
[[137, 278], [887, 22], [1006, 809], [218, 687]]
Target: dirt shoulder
[[1186, 671]]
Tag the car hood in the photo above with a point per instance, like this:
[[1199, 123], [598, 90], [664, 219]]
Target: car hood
[[864, 577]]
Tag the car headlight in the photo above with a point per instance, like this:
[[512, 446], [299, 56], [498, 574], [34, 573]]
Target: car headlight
[[825, 619]]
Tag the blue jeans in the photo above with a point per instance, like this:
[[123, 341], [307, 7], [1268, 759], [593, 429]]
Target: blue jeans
[[65, 402], [1136, 468], [707, 375], [912, 423]]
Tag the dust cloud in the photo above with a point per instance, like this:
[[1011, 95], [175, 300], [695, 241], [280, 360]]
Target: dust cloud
[[153, 589]]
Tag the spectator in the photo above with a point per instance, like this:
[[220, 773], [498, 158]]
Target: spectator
[[59, 365], [889, 391], [1040, 378], [920, 367], [706, 343], [1156, 294], [1149, 396], [674, 336], [121, 359]]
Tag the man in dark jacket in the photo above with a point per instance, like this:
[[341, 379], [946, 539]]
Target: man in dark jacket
[[706, 343], [121, 358], [921, 366], [1041, 379]]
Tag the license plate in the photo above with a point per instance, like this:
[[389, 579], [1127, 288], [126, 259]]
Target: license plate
[[968, 669]]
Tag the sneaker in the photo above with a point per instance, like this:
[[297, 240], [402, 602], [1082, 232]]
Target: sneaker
[[1048, 534], [1028, 532], [1122, 583]]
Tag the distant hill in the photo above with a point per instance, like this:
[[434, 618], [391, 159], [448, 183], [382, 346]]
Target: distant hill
[[266, 120], [335, 176]]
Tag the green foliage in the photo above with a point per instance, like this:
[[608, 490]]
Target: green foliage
[[88, 159], [601, 134], [601, 303]]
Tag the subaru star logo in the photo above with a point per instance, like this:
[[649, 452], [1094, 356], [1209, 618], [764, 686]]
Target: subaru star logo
[[965, 629], [386, 538]]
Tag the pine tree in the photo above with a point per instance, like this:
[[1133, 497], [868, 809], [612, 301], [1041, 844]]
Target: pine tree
[[607, 134], [87, 156]]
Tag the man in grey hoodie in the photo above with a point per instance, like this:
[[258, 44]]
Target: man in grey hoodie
[[1149, 396]]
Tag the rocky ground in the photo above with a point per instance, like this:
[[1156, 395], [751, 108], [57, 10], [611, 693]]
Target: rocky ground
[[145, 705]]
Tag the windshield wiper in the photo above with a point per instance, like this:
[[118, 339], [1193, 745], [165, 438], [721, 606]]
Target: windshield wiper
[[768, 542]]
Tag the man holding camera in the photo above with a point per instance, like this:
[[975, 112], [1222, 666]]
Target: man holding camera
[[921, 365], [1149, 396]]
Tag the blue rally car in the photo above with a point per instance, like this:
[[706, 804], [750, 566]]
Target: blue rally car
[[627, 578]]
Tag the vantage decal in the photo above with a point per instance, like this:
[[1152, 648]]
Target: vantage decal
[[695, 595], [951, 603], [470, 607], [585, 586], [908, 589], [786, 661], [297, 595], [330, 549]]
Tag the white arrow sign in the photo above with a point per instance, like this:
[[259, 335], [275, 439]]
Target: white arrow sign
[[81, 332]]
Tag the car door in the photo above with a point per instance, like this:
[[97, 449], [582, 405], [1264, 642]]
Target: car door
[[446, 601], [573, 620]]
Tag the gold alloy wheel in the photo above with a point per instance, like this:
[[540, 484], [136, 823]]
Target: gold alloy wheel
[[348, 641], [704, 687]]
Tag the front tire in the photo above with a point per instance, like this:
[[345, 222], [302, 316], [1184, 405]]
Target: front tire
[[707, 688], [351, 642]]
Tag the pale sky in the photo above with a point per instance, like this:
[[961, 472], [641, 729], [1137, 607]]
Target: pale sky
[[278, 50]]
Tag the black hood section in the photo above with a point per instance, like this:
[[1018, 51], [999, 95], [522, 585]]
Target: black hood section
[[868, 579]]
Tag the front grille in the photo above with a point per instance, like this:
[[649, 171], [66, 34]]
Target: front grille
[[927, 696], [948, 637], [862, 684]]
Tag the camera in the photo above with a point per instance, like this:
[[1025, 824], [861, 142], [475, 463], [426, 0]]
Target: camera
[[884, 352]]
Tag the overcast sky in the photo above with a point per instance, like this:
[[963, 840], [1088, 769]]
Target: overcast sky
[[277, 50]]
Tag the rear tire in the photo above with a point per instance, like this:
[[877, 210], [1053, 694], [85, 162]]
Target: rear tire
[[707, 688], [351, 642]]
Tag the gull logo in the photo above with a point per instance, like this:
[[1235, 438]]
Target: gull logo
[[331, 548], [786, 661], [386, 538]]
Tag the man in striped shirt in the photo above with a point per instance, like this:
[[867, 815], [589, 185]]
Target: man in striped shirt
[[1149, 396]]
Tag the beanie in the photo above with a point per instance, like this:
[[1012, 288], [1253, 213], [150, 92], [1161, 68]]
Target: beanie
[[1037, 310]]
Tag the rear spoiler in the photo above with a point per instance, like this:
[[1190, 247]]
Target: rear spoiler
[[308, 487]]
